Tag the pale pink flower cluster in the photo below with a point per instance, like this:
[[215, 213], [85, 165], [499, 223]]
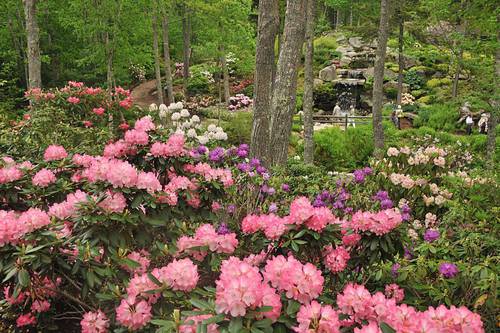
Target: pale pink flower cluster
[[173, 148], [133, 315], [272, 225], [10, 173], [207, 236], [82, 160], [191, 323], [179, 275], [399, 179], [13, 226], [394, 291], [140, 257], [114, 202], [314, 317], [357, 302], [136, 137], [44, 178], [54, 153], [148, 181], [211, 174], [302, 282], [145, 124], [117, 149], [336, 259], [176, 184], [392, 152], [94, 322], [240, 287], [379, 223], [69, 207]]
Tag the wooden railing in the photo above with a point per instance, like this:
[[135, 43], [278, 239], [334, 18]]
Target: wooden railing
[[343, 120]]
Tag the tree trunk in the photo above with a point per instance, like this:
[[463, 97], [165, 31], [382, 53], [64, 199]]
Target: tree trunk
[[268, 26], [225, 74], [378, 80], [400, 52], [284, 92], [33, 37], [309, 84], [350, 14], [186, 51], [166, 57], [454, 88], [337, 19], [493, 122], [109, 63], [156, 51]]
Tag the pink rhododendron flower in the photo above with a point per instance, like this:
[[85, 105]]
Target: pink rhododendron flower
[[336, 259], [87, 123], [379, 223], [301, 210], [40, 306], [179, 275], [10, 174], [372, 327], [94, 322], [114, 202], [133, 315], [126, 103], [300, 282], [10, 297], [54, 153], [321, 217], [394, 291], [351, 239], [144, 124], [136, 137], [25, 320], [73, 100], [69, 207], [314, 317], [99, 111], [141, 257], [148, 181], [191, 324], [44, 178]]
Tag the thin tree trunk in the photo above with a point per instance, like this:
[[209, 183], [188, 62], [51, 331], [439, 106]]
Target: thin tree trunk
[[400, 52], [166, 57], [309, 84], [33, 38], [156, 54], [268, 26], [109, 63], [283, 99], [456, 78], [186, 51], [378, 80], [337, 19], [225, 74], [350, 14]]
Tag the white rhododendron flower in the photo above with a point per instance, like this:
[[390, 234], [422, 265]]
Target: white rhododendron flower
[[211, 128], [153, 107], [176, 116], [195, 119], [184, 113], [202, 139], [191, 133]]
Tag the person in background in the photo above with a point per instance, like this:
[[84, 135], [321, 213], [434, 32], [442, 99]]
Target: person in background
[[394, 118], [399, 115], [352, 112], [469, 122], [336, 110], [483, 122]]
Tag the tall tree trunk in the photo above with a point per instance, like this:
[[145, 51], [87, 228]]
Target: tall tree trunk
[[166, 57], [378, 80], [493, 122], [186, 50], [284, 92], [268, 26], [109, 62], [350, 14], [400, 51], [225, 74], [156, 54], [337, 19], [309, 84], [33, 37]]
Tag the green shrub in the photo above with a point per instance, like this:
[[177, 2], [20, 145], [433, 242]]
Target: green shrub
[[442, 117], [239, 127], [391, 93], [336, 149], [433, 83], [413, 79], [327, 42], [424, 99], [418, 93], [324, 97]]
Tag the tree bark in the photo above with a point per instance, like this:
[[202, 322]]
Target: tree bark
[[378, 80], [225, 74], [456, 77], [268, 26], [186, 51], [400, 51], [109, 63], [156, 54], [309, 84], [33, 45], [337, 19], [284, 92], [166, 57]]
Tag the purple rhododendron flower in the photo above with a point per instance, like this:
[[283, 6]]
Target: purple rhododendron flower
[[243, 167], [216, 155], [431, 235], [285, 187], [223, 229], [273, 208], [395, 269], [448, 270], [202, 149], [386, 204]]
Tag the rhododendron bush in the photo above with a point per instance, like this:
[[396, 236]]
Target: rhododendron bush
[[161, 232]]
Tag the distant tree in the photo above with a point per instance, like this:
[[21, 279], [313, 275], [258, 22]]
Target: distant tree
[[378, 79], [33, 47], [156, 52], [309, 83], [166, 52]]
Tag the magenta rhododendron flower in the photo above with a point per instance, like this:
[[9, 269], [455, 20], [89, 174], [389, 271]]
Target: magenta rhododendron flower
[[25, 320], [44, 178], [94, 322], [54, 153]]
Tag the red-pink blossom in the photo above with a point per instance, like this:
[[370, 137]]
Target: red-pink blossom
[[54, 153], [132, 314], [94, 322]]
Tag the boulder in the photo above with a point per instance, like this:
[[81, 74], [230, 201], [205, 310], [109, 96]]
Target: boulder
[[328, 73], [356, 42], [340, 38], [344, 49], [318, 82], [345, 61]]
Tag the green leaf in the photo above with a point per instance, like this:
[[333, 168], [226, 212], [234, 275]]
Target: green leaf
[[154, 279], [235, 325], [24, 278], [386, 328], [265, 308], [163, 323], [35, 249], [200, 304], [214, 319], [11, 273]]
